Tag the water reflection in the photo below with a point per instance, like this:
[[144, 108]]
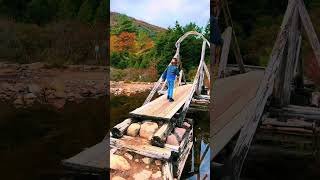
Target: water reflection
[[35, 140]]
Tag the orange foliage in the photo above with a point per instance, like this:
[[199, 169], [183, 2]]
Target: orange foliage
[[113, 42], [125, 42]]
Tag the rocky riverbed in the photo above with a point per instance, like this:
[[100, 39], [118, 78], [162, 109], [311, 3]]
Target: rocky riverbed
[[26, 84]]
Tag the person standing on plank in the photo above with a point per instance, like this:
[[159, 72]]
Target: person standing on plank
[[170, 74]]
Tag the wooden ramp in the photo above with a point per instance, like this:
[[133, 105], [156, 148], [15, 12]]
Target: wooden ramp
[[232, 98], [93, 159], [161, 108]]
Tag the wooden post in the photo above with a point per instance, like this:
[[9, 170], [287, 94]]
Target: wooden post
[[308, 27], [159, 137], [264, 91], [201, 76], [235, 45], [118, 130], [293, 52], [227, 35]]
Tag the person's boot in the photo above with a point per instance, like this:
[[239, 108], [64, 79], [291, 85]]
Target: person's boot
[[171, 100], [168, 97]]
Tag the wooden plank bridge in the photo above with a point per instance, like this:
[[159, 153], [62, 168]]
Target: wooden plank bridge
[[240, 102], [166, 116], [161, 108]]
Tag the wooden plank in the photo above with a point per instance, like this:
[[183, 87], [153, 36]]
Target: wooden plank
[[161, 108], [167, 171], [232, 102], [289, 123], [310, 113], [182, 160], [91, 159], [230, 97], [227, 35], [140, 146]]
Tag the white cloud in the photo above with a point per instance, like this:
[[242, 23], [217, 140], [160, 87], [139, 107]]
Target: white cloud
[[164, 13]]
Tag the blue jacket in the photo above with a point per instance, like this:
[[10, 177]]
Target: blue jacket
[[170, 73]]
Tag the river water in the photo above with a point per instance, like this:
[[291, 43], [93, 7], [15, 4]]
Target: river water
[[35, 140]]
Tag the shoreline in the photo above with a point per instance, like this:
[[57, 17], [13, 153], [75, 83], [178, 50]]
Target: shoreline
[[25, 84]]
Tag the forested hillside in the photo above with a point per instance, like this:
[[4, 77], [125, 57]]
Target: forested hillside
[[146, 49], [54, 31]]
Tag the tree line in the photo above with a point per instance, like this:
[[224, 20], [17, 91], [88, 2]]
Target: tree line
[[136, 47], [44, 11]]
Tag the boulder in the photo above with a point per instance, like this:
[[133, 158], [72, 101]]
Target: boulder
[[148, 129], [133, 129], [143, 175], [34, 88], [179, 132], [128, 156], [157, 175], [158, 162], [186, 125], [118, 178], [172, 140], [30, 96], [146, 160], [119, 163]]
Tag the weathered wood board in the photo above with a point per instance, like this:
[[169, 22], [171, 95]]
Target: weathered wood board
[[92, 159], [161, 108], [231, 97]]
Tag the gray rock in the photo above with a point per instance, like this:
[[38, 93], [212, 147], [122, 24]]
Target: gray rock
[[148, 129], [157, 175], [133, 129], [158, 162], [146, 160], [180, 133], [172, 140], [143, 175], [30, 96], [129, 156], [186, 125], [118, 178], [119, 163], [33, 88]]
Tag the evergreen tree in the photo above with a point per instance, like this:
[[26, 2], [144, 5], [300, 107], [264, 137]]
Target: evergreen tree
[[125, 24]]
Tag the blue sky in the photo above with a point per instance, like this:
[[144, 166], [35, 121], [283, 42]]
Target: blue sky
[[164, 13]]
